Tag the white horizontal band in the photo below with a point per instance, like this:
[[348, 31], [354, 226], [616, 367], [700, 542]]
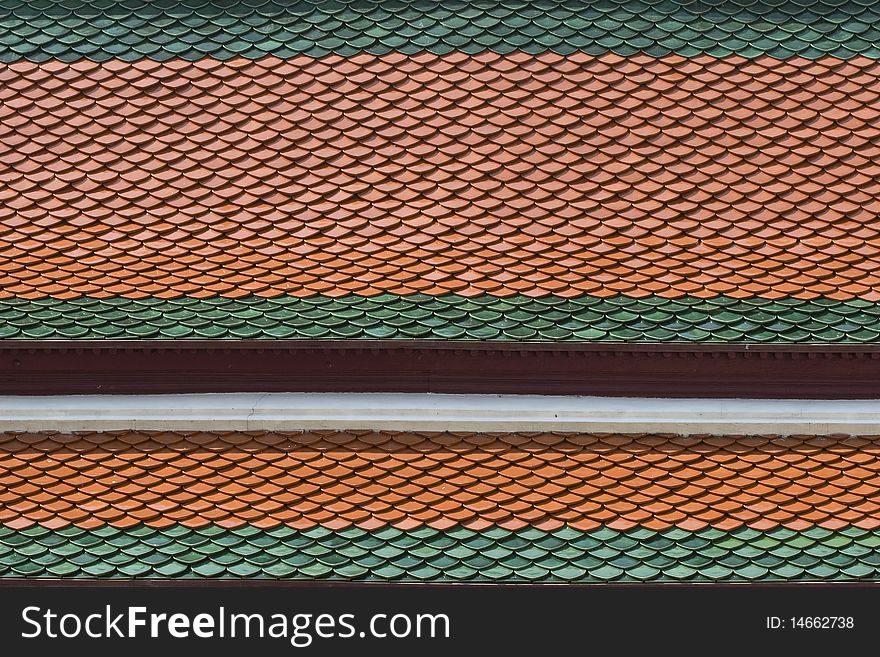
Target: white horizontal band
[[435, 412]]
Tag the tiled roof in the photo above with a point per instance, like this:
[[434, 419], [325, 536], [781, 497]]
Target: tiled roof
[[419, 316], [435, 555], [191, 29], [439, 506], [439, 479], [553, 170], [735, 181], [474, 175]]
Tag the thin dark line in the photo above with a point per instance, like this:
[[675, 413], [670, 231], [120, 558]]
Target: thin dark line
[[231, 583], [439, 345]]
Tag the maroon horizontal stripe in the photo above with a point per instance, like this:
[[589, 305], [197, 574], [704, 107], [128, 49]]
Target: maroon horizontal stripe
[[119, 367]]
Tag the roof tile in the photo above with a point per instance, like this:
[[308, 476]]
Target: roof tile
[[444, 193], [437, 480]]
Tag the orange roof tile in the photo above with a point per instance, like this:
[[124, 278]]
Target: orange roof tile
[[441, 173], [406, 480]]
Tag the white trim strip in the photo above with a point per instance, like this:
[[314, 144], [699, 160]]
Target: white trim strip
[[434, 412]]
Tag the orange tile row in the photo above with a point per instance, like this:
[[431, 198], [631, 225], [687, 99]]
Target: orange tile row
[[500, 174], [370, 479]]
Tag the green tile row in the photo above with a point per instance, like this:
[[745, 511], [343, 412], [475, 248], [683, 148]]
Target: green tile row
[[448, 317], [456, 554], [39, 30]]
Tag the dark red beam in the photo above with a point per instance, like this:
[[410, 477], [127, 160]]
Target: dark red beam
[[660, 370]]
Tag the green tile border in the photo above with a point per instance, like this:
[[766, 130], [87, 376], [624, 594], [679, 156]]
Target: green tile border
[[457, 554], [450, 317], [39, 30]]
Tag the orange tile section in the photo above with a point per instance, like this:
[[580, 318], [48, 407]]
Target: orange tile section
[[514, 174], [438, 479]]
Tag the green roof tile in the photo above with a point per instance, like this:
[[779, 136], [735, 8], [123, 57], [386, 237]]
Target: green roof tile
[[133, 29], [451, 317], [389, 554]]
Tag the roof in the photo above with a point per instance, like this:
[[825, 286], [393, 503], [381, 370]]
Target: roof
[[487, 196], [439, 506], [429, 555], [221, 29], [512, 196]]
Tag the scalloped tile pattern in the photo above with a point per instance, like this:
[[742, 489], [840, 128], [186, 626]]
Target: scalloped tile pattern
[[191, 29], [431, 555], [447, 317], [441, 480], [486, 174]]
